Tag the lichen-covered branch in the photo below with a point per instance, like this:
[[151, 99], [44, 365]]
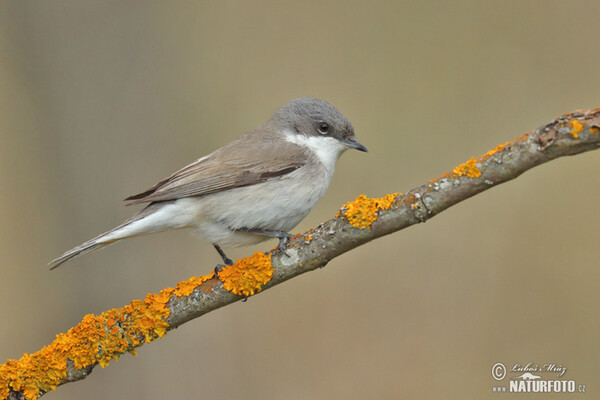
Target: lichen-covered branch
[[98, 339]]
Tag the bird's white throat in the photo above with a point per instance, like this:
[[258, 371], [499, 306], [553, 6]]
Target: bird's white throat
[[327, 149]]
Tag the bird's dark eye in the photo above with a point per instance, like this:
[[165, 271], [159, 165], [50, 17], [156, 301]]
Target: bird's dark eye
[[324, 128]]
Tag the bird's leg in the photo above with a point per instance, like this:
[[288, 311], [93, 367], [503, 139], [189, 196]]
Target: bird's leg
[[226, 259], [283, 237]]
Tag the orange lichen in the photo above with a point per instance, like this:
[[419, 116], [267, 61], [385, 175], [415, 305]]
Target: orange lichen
[[186, 288], [445, 175], [576, 128], [96, 339], [492, 152], [468, 169], [362, 212], [248, 275]]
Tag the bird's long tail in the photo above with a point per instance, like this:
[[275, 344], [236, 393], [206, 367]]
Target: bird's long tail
[[84, 248], [97, 243], [135, 226]]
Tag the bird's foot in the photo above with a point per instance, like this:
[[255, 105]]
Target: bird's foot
[[226, 259], [218, 268], [283, 237], [283, 242]]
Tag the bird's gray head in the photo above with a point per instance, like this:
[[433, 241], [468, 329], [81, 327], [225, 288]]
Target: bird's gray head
[[314, 118]]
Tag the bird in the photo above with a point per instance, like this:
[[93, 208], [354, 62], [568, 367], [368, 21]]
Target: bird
[[259, 186]]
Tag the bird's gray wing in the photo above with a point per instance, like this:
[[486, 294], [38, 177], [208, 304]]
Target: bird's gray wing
[[227, 168]]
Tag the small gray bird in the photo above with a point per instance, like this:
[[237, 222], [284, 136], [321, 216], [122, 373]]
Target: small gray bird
[[259, 186]]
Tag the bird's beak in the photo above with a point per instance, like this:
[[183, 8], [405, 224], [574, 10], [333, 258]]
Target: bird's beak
[[354, 144]]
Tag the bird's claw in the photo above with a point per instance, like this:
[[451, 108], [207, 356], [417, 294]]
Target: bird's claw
[[283, 242], [218, 269]]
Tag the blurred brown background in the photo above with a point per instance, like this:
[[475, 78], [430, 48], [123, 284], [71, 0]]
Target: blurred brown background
[[99, 100]]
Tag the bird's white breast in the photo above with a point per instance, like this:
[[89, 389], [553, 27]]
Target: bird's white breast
[[277, 204]]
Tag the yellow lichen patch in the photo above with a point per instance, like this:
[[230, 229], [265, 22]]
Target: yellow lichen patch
[[576, 128], [468, 169], [492, 152], [362, 212], [445, 175], [248, 275], [96, 339], [594, 130], [186, 288]]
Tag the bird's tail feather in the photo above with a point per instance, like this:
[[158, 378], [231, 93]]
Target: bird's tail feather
[[84, 248], [129, 228]]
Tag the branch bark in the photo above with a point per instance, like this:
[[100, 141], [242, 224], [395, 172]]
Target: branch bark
[[99, 339]]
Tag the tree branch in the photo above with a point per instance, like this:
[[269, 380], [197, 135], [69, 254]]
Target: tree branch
[[101, 338]]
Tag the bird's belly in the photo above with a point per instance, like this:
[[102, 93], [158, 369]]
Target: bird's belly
[[277, 205]]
